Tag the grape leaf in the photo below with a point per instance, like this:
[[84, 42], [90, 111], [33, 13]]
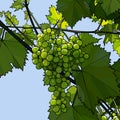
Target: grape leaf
[[11, 18], [87, 39], [14, 54], [116, 45], [55, 17], [73, 10], [110, 6], [78, 112], [96, 78], [18, 4]]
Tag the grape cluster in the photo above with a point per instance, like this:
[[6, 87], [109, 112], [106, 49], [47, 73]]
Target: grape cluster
[[58, 57]]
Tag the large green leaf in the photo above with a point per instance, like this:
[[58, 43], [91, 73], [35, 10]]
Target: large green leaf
[[96, 78], [110, 6], [87, 39], [75, 113], [73, 10], [12, 53]]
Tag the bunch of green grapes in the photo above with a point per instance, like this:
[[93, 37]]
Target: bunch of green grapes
[[57, 57]]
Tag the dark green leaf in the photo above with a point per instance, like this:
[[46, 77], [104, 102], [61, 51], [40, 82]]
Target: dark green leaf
[[77, 9], [96, 78], [110, 6], [12, 54], [87, 39]]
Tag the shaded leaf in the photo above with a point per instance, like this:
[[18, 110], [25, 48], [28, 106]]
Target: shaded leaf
[[96, 78], [14, 54], [73, 10], [87, 39], [110, 6]]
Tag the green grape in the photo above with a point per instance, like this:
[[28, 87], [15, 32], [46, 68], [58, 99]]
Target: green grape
[[86, 56], [48, 72], [81, 60], [38, 52], [64, 51], [79, 42], [48, 30], [64, 110], [65, 58], [58, 69], [46, 63], [52, 102], [38, 66], [58, 113], [63, 94], [104, 118], [76, 53], [53, 97], [56, 108], [58, 41], [44, 54], [64, 46], [69, 46], [63, 106], [46, 80], [56, 93], [58, 80], [56, 59], [35, 61], [50, 57], [76, 46], [64, 85], [34, 55], [51, 89], [58, 102], [67, 74], [66, 65], [44, 44], [52, 82], [35, 49]]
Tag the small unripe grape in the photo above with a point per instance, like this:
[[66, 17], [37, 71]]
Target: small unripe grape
[[69, 46], [44, 54], [62, 106], [86, 56], [76, 46], [51, 89], [46, 81], [58, 102], [64, 85], [64, 46], [79, 42], [34, 55], [35, 61], [56, 59], [48, 30], [35, 49], [53, 102], [81, 60], [56, 108], [58, 113], [64, 51], [64, 110], [58, 80], [63, 94], [58, 41], [76, 53], [59, 69], [53, 97], [38, 66], [56, 93], [44, 44], [48, 72], [104, 118], [52, 82], [65, 58], [46, 63], [50, 57]]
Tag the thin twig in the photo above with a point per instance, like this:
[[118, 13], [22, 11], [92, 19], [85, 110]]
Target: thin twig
[[73, 31], [29, 14]]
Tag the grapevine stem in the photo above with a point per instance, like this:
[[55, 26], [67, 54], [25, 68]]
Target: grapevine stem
[[15, 36], [29, 14], [73, 31]]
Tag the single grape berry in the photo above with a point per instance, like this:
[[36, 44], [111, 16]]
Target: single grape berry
[[76, 46], [44, 54], [64, 85], [52, 102], [51, 89], [35, 49]]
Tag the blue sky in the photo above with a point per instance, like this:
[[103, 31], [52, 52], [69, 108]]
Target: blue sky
[[22, 94]]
